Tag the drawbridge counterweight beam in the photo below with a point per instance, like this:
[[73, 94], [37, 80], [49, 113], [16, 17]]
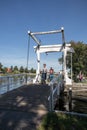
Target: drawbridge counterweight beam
[[47, 32], [32, 34]]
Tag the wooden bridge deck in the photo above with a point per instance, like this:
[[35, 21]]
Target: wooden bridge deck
[[23, 108]]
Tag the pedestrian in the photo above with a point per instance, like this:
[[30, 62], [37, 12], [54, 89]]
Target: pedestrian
[[51, 73], [44, 73]]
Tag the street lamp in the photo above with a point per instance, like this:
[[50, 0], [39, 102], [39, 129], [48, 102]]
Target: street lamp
[[71, 51]]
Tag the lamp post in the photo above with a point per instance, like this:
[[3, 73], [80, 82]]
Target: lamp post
[[71, 66], [71, 51]]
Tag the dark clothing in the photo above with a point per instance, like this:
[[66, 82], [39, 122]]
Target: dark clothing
[[44, 76], [51, 77], [51, 74]]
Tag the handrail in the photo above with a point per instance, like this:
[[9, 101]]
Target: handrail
[[10, 82], [56, 86]]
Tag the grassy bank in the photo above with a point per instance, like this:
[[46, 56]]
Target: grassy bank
[[56, 121]]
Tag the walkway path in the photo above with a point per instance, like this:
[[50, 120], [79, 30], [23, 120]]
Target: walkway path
[[23, 108]]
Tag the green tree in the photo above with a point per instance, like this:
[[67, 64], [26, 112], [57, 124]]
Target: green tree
[[33, 70], [79, 62], [5, 70], [21, 69], [26, 70], [16, 69], [1, 66], [12, 68]]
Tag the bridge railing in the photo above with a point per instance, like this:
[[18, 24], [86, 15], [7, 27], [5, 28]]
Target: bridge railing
[[10, 82], [56, 87]]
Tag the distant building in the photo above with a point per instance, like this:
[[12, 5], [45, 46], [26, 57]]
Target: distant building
[[9, 70]]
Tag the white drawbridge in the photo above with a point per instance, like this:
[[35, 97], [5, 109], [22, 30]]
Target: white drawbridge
[[52, 48]]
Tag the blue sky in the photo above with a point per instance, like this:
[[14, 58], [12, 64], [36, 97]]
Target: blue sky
[[19, 16]]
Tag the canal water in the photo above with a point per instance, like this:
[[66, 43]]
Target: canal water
[[8, 83]]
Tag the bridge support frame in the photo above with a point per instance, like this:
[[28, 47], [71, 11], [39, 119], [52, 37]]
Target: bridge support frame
[[50, 48]]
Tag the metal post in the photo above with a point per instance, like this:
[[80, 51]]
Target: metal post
[[51, 98], [58, 93], [58, 89], [64, 65], [70, 99], [71, 66], [63, 38], [38, 62], [38, 66], [28, 57]]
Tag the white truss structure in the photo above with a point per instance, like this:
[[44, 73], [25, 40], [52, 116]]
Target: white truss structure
[[51, 48]]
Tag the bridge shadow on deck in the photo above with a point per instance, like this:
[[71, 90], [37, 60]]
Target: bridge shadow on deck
[[23, 108]]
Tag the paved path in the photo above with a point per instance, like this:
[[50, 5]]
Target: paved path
[[23, 108]]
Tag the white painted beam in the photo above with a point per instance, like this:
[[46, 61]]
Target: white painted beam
[[52, 48], [47, 32]]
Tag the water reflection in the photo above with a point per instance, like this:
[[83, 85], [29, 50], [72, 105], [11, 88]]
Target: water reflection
[[8, 83]]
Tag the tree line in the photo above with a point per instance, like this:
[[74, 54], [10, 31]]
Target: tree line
[[15, 69], [79, 58]]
